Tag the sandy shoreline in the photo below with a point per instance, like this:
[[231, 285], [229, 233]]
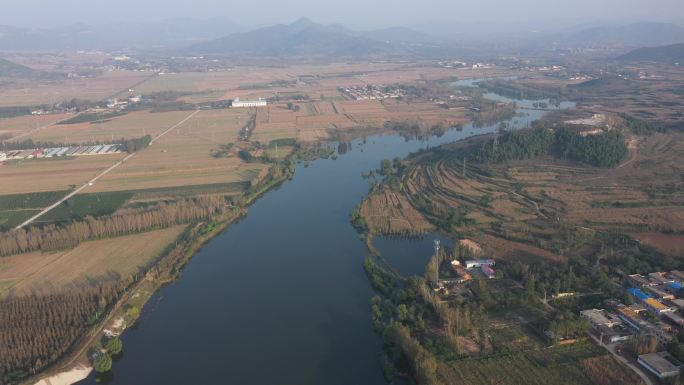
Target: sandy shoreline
[[78, 373]]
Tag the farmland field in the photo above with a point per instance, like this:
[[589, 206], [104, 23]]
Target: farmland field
[[665, 243], [183, 157], [315, 120], [88, 263], [97, 88], [133, 125], [15, 209], [30, 200], [23, 124], [12, 218], [83, 205], [572, 364], [41, 175]]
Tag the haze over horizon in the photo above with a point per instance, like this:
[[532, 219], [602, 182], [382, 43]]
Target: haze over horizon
[[352, 13]]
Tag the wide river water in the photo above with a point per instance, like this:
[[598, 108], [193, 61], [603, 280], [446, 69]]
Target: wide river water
[[280, 297]]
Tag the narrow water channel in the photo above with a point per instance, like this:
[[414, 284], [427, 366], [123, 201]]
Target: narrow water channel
[[281, 296]]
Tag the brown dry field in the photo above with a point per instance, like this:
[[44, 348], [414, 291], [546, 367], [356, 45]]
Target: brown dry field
[[317, 119], [656, 99], [90, 262], [52, 174], [183, 156], [391, 213], [133, 125], [502, 249], [665, 243], [641, 181], [24, 124], [317, 79], [98, 88]]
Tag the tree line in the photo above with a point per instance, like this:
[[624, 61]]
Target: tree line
[[137, 144], [603, 150], [36, 330], [63, 236]]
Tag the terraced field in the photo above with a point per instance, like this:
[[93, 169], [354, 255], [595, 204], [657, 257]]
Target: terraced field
[[541, 207]]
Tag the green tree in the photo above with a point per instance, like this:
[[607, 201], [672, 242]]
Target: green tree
[[102, 363], [114, 346], [402, 312]]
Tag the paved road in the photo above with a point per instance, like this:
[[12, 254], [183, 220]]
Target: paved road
[[105, 172]]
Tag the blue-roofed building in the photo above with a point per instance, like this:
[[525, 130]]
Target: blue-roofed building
[[676, 287], [638, 294]]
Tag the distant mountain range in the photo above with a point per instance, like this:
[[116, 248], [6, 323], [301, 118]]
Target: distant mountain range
[[306, 38], [166, 33], [668, 54], [631, 35]]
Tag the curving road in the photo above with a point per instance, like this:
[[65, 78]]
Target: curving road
[[100, 175]]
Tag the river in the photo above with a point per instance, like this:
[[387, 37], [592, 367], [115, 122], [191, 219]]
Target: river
[[280, 297]]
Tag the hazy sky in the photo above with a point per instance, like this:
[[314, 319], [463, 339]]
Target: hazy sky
[[355, 13]]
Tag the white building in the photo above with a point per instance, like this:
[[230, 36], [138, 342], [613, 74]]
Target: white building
[[474, 264], [249, 103], [3, 157]]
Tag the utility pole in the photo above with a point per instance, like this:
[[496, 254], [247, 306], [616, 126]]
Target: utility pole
[[464, 167], [496, 141], [436, 261]]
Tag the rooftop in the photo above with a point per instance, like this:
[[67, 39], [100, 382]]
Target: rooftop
[[662, 362], [638, 293], [657, 305], [597, 316]]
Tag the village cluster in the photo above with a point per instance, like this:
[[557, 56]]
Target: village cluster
[[656, 312], [372, 92]]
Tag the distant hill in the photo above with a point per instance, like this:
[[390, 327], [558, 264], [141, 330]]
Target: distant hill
[[631, 35], [673, 53], [166, 33], [10, 69], [301, 38]]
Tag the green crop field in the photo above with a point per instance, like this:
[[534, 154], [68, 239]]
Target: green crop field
[[94, 205], [30, 200], [229, 188], [95, 117], [12, 218], [555, 365]]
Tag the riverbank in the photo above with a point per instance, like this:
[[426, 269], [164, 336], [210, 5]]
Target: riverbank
[[164, 272]]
